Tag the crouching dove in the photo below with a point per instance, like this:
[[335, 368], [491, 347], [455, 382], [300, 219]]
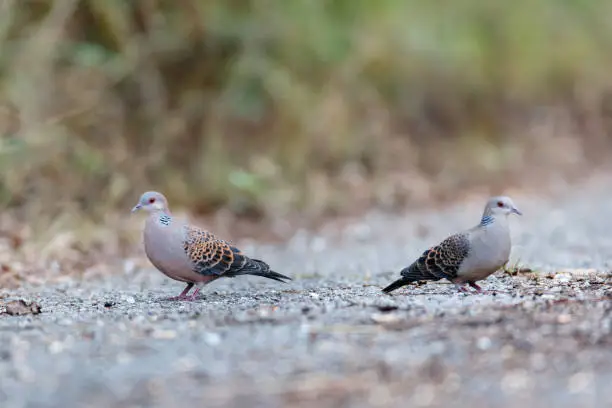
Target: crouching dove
[[468, 256], [189, 254]]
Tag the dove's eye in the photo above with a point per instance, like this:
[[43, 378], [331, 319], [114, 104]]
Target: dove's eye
[[151, 200], [500, 204]]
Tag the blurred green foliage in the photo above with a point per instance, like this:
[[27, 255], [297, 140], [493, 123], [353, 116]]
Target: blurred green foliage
[[256, 104]]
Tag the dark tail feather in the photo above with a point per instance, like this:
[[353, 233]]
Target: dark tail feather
[[272, 275], [260, 268], [397, 284]]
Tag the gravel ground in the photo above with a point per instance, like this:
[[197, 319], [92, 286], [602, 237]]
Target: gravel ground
[[330, 338]]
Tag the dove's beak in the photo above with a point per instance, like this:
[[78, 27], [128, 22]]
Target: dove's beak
[[516, 211], [136, 208]]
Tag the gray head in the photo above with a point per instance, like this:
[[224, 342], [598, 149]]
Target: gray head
[[500, 205], [151, 201]]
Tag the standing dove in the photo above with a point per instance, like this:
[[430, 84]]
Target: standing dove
[[468, 256], [189, 254]]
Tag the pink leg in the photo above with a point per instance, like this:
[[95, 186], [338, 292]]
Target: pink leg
[[481, 290], [475, 286], [193, 296], [461, 288], [183, 294]]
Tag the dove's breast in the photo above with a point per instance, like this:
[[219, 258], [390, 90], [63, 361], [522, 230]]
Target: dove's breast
[[489, 250], [163, 243]]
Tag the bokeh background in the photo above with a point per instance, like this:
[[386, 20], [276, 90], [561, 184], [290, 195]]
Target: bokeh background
[[293, 109], [260, 119]]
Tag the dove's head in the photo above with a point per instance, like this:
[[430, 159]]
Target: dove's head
[[501, 205], [151, 201]]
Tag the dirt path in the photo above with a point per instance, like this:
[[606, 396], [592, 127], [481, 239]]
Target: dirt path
[[330, 338]]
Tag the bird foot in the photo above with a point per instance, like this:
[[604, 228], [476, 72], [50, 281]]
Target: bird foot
[[475, 286], [183, 295], [174, 298], [461, 288], [184, 298], [193, 296], [483, 291], [190, 298]]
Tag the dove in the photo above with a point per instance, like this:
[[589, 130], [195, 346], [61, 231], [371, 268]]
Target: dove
[[468, 256], [190, 254]]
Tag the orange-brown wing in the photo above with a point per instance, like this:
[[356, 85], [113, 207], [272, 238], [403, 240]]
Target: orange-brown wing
[[210, 255]]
